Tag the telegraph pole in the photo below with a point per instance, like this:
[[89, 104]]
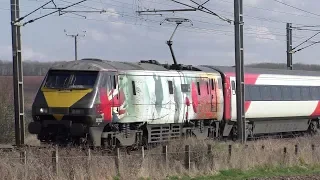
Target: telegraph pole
[[289, 46], [75, 36], [17, 74], [239, 57], [16, 23]]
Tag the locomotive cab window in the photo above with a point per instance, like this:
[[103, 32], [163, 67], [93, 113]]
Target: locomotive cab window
[[71, 79]]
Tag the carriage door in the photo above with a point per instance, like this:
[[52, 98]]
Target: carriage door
[[233, 98]]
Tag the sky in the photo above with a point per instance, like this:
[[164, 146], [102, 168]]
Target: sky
[[120, 34]]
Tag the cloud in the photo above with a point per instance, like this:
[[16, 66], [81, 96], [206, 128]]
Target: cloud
[[261, 34], [27, 53]]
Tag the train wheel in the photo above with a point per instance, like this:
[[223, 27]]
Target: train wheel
[[234, 133], [313, 128]]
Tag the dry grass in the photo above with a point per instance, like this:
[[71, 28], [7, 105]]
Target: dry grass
[[74, 164]]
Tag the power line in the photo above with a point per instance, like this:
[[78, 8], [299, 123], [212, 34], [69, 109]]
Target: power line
[[270, 10], [195, 20], [250, 29], [296, 8], [75, 36]]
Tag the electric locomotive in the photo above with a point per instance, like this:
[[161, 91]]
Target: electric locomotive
[[108, 103]]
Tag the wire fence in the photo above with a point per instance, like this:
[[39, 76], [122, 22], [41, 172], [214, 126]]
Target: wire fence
[[161, 161]]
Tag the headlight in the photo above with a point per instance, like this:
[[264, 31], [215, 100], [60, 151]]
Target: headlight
[[43, 110], [77, 111]]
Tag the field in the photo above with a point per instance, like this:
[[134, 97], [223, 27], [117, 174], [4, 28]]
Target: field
[[31, 85]]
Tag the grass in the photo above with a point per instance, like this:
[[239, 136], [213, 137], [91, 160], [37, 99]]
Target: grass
[[262, 172]]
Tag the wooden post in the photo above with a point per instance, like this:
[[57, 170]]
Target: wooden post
[[55, 162], [262, 147], [296, 149], [142, 152], [165, 155], [23, 157], [312, 147], [209, 149], [229, 152], [117, 160], [89, 164], [284, 154], [187, 157]]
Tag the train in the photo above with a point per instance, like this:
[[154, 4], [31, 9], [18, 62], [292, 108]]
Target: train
[[107, 103]]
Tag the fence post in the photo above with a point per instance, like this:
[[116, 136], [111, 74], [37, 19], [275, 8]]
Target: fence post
[[284, 154], [88, 164], [23, 157], [117, 160], [229, 152], [209, 149], [55, 161], [187, 157], [296, 149], [312, 147], [142, 152], [165, 155]]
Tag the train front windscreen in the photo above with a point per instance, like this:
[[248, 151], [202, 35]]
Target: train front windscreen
[[71, 79]]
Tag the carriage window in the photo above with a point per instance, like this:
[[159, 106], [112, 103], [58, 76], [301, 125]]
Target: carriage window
[[133, 88], [305, 93], [170, 87], [296, 93], [254, 93], [233, 85], [286, 93], [247, 93], [212, 84], [265, 93], [115, 82], [276, 93], [198, 86], [314, 93]]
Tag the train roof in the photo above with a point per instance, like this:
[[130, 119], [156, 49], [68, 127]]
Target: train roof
[[100, 65], [253, 70], [153, 65]]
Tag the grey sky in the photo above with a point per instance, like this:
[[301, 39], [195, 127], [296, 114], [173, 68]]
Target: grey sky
[[119, 34]]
